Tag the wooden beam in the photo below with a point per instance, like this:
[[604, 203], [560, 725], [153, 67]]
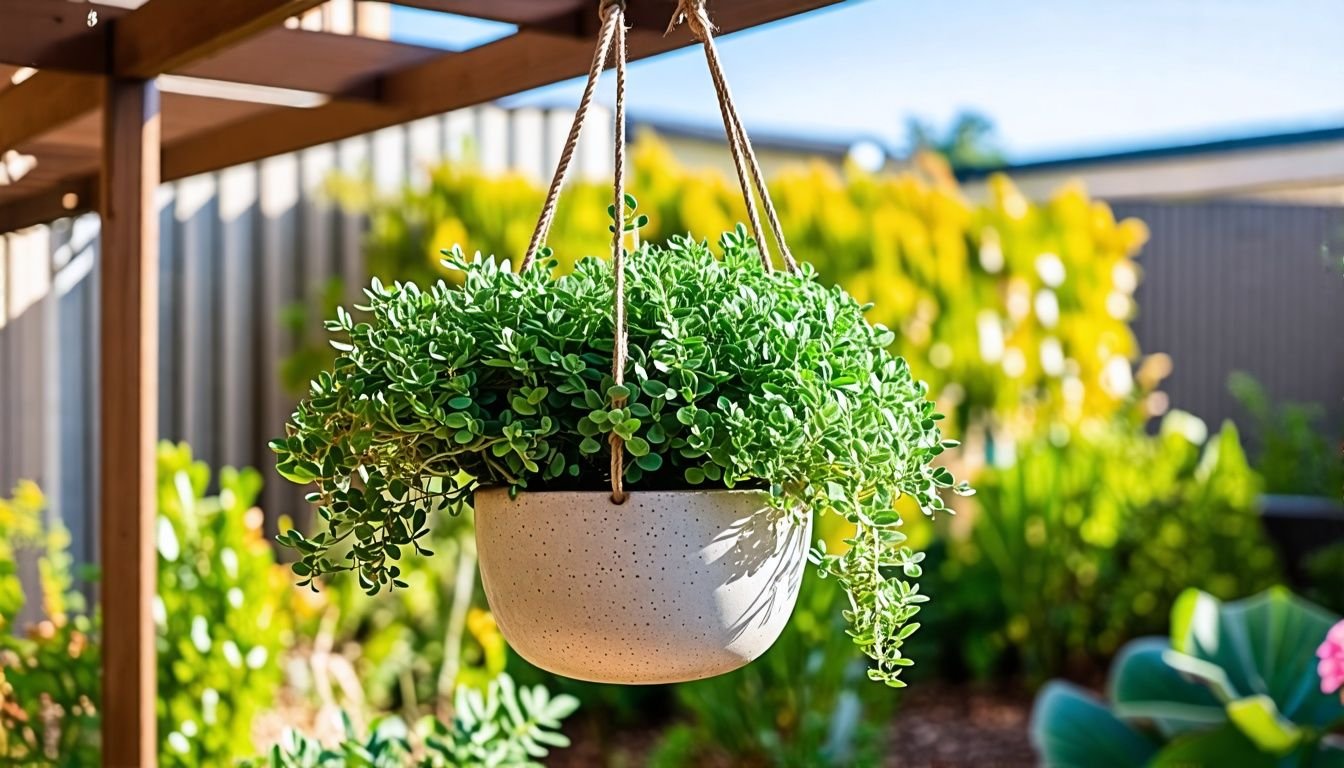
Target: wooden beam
[[46, 34], [528, 59], [525, 12], [43, 102], [67, 199], [162, 35], [341, 66], [157, 37], [128, 389], [585, 21]]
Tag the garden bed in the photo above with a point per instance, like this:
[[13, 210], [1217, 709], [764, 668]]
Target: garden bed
[[948, 727], [937, 726]]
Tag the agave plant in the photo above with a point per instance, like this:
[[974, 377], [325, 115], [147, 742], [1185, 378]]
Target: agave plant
[[1236, 685]]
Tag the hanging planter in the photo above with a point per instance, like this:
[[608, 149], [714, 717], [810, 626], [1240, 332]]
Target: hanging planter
[[644, 441], [667, 587]]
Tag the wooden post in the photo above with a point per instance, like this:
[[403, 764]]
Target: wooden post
[[129, 274]]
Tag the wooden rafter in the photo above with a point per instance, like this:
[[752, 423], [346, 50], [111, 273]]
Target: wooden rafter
[[44, 34], [340, 66], [164, 34], [523, 12], [43, 102], [421, 82], [531, 58], [155, 38], [74, 197]]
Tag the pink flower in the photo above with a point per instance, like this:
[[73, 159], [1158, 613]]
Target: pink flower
[[1331, 654]]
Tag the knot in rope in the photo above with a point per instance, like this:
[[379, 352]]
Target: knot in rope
[[696, 18]]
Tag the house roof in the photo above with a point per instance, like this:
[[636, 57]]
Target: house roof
[[1176, 151]]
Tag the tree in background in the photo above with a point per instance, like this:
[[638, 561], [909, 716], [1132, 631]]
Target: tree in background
[[968, 142]]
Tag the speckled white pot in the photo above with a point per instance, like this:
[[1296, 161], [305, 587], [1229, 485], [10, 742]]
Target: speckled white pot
[[667, 587]]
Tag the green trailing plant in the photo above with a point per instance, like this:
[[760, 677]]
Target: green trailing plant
[[1081, 538], [736, 377], [504, 726], [1236, 684], [416, 645]]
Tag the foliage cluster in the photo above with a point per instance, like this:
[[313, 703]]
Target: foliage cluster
[[736, 376], [1236, 684], [1078, 544], [218, 615], [505, 726], [49, 673], [220, 612], [411, 648], [1294, 454]]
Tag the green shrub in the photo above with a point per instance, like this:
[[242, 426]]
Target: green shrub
[[1324, 570], [49, 675], [1078, 544], [737, 376], [1294, 454], [1236, 684], [219, 614]]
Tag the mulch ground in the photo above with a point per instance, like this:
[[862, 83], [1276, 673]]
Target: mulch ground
[[951, 727], [937, 726]]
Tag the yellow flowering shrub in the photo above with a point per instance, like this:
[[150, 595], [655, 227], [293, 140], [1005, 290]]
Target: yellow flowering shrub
[[1008, 308]]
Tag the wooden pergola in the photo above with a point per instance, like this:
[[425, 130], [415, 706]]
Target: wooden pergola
[[84, 127]]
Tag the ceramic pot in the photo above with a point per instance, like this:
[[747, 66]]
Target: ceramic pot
[[669, 586]]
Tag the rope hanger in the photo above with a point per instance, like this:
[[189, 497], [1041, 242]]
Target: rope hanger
[[612, 40]]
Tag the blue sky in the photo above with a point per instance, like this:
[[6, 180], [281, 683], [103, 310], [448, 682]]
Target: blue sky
[[1058, 77]]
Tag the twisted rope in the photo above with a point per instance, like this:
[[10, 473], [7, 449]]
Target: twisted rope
[[613, 31], [697, 20], [613, 36], [619, 348], [612, 15]]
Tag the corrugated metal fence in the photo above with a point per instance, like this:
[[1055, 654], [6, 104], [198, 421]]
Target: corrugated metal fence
[[1244, 286], [238, 249]]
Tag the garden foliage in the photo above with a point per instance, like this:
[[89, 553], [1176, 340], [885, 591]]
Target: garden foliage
[[1294, 454], [506, 726], [1079, 543], [218, 614], [48, 671], [415, 645]]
